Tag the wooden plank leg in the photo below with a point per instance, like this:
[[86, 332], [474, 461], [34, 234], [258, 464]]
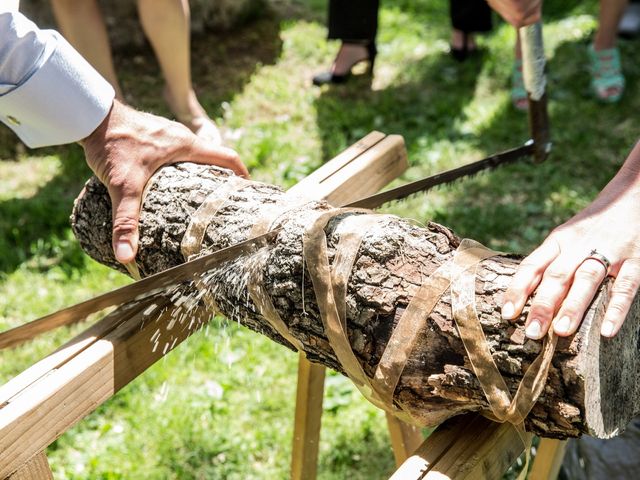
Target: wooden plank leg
[[308, 417], [548, 461], [362, 169], [405, 438], [35, 469], [465, 447]]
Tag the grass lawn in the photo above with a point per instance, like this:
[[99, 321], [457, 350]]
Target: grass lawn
[[221, 405]]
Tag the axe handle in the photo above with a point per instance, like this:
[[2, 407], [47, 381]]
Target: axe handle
[[533, 70]]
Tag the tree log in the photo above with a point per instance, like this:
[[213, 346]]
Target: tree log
[[591, 386]]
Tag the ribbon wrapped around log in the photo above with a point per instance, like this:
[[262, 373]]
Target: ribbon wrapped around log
[[330, 285]]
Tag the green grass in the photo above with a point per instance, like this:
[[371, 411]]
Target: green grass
[[221, 405]]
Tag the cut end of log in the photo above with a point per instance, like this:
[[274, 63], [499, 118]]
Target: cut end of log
[[611, 369]]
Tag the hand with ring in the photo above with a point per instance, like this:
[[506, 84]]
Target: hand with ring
[[568, 268], [518, 12]]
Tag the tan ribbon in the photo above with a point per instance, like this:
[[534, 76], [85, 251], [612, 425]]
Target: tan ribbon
[[404, 335], [330, 285], [194, 235], [352, 231], [463, 304], [330, 288], [503, 408], [256, 287], [315, 255]]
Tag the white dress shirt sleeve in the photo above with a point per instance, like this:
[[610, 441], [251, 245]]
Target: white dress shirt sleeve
[[49, 94]]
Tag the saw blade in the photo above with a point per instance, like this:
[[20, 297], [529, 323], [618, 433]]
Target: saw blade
[[172, 276], [424, 184]]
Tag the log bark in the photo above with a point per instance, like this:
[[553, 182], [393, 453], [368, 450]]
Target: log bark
[[591, 386]]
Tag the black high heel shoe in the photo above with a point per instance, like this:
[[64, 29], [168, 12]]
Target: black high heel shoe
[[330, 77]]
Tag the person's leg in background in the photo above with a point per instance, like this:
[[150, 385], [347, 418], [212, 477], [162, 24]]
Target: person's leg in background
[[474, 16], [607, 81], [355, 23], [467, 18], [518, 93], [83, 26], [166, 24]]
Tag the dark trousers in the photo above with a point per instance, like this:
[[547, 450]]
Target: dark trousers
[[357, 20], [470, 15]]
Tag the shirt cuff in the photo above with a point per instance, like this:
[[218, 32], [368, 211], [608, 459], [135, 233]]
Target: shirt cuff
[[62, 102]]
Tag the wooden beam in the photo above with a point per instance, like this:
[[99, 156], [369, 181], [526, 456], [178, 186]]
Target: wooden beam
[[548, 461], [405, 438], [36, 468], [465, 447], [80, 377], [67, 351], [376, 163], [378, 159], [312, 184], [307, 421]]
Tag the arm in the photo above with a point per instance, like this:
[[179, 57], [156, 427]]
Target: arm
[[50, 95], [566, 280], [518, 12]]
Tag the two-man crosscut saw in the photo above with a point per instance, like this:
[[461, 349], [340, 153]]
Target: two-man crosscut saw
[[538, 147]]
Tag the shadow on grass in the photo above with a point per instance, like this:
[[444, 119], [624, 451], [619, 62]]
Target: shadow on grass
[[427, 105], [357, 456], [37, 226], [223, 64]]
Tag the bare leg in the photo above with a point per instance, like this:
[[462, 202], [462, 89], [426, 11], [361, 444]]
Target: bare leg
[[458, 40], [166, 24], [518, 92], [607, 80], [82, 24], [610, 13]]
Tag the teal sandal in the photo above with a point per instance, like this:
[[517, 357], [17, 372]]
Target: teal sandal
[[518, 92], [607, 81]]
